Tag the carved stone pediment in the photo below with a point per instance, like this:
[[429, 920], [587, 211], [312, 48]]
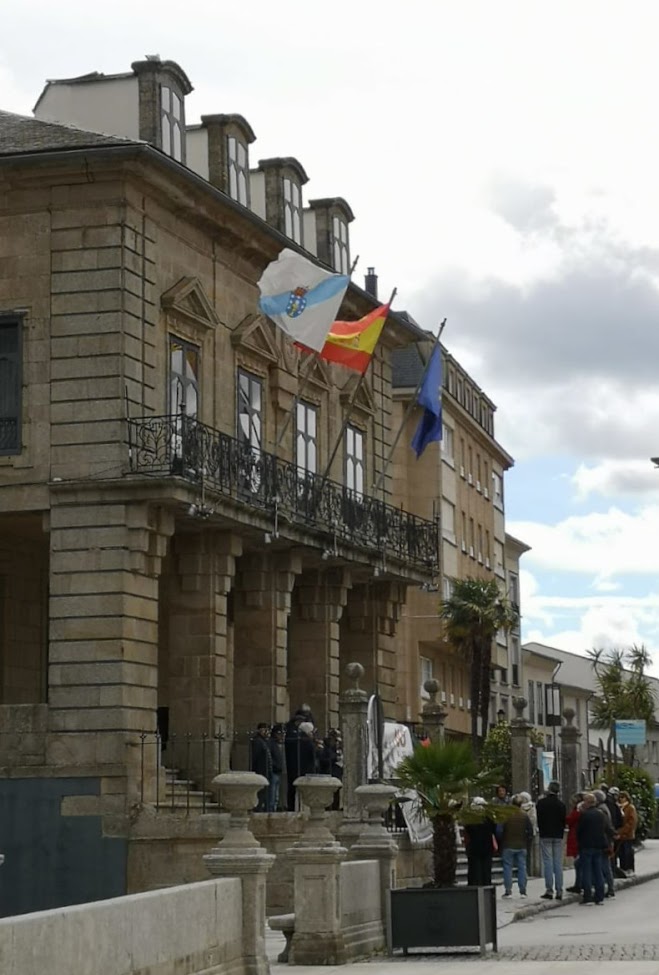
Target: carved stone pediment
[[254, 334], [187, 301], [364, 400]]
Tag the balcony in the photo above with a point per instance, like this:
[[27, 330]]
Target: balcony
[[182, 446]]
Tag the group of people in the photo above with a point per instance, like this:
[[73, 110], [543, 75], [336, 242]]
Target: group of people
[[293, 749], [601, 832]]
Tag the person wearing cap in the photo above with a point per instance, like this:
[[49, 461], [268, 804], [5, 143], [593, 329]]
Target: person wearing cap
[[479, 844], [517, 832], [552, 814]]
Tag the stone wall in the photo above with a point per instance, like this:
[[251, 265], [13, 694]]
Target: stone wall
[[182, 931], [362, 923]]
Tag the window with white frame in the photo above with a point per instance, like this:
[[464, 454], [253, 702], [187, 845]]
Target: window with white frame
[[183, 377], [425, 673], [340, 248], [447, 587], [354, 459], [448, 520], [250, 409], [238, 167], [498, 559], [497, 488], [171, 122], [292, 210], [306, 446], [448, 443]]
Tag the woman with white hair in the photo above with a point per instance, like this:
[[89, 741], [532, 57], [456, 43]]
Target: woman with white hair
[[479, 844]]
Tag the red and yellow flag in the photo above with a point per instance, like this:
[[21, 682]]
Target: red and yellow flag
[[352, 343]]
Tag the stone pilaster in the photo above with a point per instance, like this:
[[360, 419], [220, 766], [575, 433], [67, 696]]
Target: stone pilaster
[[520, 742], [375, 842], [314, 641], [354, 732], [262, 603], [433, 714], [570, 736], [368, 635]]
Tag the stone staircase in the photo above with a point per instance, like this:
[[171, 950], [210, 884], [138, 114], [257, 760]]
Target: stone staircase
[[182, 795]]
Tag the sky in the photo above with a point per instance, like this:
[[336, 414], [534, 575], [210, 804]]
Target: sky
[[502, 162]]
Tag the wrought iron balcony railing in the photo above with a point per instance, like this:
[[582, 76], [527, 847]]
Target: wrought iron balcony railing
[[181, 445]]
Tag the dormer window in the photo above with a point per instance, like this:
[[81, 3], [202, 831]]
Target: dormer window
[[238, 169], [292, 210], [340, 245], [171, 120]]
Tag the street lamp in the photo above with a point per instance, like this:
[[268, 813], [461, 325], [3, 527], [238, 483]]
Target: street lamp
[[501, 715]]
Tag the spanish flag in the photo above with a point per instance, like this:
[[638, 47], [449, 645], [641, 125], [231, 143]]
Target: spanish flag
[[352, 343]]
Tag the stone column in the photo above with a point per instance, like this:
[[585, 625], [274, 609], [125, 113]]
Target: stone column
[[353, 709], [376, 843], [570, 736], [433, 714], [520, 743], [316, 859], [239, 854], [262, 604], [313, 642]]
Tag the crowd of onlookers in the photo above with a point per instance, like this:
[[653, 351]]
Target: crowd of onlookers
[[286, 752], [601, 829]]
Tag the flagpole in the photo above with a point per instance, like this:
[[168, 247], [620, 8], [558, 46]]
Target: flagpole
[[346, 419], [408, 411], [307, 372]]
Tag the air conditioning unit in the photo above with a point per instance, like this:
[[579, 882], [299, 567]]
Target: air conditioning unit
[[461, 702], [487, 564], [471, 551], [478, 486], [480, 558], [486, 494], [468, 704], [462, 471], [464, 547], [470, 479], [452, 700], [442, 697]]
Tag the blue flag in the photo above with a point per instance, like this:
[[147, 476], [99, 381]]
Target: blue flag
[[430, 398]]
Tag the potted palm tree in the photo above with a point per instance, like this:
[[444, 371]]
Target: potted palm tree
[[444, 775]]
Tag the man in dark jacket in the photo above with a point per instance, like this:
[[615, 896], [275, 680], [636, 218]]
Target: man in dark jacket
[[262, 762], [592, 841], [551, 827], [276, 746], [479, 844]]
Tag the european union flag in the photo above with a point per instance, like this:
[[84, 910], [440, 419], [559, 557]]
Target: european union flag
[[430, 398]]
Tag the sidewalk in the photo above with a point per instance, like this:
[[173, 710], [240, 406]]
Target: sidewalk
[[511, 909]]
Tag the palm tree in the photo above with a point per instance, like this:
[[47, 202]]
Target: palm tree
[[623, 691], [473, 614], [443, 774]]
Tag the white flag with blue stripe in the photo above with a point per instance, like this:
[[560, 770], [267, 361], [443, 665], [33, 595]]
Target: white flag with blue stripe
[[301, 298]]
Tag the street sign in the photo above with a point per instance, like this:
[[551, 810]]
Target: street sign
[[630, 732]]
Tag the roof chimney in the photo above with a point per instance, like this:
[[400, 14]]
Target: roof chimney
[[371, 282]]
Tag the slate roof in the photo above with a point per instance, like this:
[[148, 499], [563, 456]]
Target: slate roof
[[406, 367], [21, 133]]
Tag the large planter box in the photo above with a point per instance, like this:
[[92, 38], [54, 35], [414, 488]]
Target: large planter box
[[448, 917]]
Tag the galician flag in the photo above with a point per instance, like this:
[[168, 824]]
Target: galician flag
[[353, 343], [301, 298], [430, 398]]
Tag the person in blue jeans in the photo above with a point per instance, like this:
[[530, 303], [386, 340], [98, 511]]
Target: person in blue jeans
[[592, 840], [516, 834], [552, 814]]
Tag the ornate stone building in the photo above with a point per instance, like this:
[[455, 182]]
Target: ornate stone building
[[172, 546]]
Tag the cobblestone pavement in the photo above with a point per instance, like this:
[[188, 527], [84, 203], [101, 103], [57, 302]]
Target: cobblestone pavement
[[550, 952]]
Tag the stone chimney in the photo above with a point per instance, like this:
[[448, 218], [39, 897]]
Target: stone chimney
[[371, 282]]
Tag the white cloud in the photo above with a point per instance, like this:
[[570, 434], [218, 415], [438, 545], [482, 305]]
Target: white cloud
[[614, 478]]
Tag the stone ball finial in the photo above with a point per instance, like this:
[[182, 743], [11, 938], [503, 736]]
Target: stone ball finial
[[519, 703], [431, 686], [355, 672], [569, 714]]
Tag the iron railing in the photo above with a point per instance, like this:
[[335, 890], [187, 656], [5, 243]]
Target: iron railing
[[182, 446]]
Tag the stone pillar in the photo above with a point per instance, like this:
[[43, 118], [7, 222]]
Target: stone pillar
[[520, 743], [105, 560], [570, 736], [316, 859], [313, 642], [239, 854], [368, 635], [262, 604], [376, 843], [353, 710], [198, 696], [433, 714]]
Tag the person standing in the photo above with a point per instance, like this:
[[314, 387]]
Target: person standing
[[516, 833], [262, 763], [479, 844], [292, 753], [552, 814], [607, 869], [591, 838], [613, 802], [627, 833], [275, 744], [572, 848]]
